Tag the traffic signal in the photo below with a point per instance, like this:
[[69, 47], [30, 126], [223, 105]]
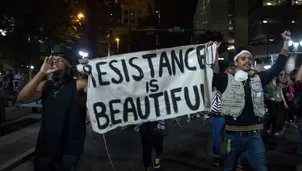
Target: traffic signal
[[177, 30]]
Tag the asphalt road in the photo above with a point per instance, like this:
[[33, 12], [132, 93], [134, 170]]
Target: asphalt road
[[187, 148]]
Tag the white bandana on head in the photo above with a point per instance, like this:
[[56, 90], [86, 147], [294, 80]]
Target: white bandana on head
[[241, 75], [240, 53]]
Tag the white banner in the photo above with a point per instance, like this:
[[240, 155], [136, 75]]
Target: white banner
[[148, 86]]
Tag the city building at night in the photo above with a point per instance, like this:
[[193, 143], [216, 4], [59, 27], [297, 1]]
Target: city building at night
[[232, 21], [267, 20]]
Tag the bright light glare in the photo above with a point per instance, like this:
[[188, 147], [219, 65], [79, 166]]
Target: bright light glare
[[83, 54], [231, 47], [296, 44], [300, 43], [269, 4], [267, 66], [264, 21], [290, 43], [81, 15], [2, 32], [32, 67]]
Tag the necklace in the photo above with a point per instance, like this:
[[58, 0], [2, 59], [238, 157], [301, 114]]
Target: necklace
[[243, 84], [55, 92]]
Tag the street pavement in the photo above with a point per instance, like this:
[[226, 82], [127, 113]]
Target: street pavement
[[187, 148]]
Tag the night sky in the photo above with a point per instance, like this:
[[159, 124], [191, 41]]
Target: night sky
[[177, 13]]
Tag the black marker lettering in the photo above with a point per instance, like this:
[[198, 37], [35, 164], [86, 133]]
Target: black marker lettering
[[175, 98], [114, 111], [167, 102], [117, 71], [139, 108], [149, 58], [126, 73], [154, 86], [164, 62], [200, 57], [140, 71], [88, 69], [155, 97], [187, 60], [197, 98], [129, 107], [100, 73], [102, 114], [177, 60], [202, 91]]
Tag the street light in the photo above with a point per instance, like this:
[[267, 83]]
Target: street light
[[117, 44], [81, 16], [83, 54], [2, 32], [295, 44]]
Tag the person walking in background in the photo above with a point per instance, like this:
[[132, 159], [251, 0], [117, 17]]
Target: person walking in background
[[289, 94], [152, 136], [298, 96], [277, 103], [8, 88]]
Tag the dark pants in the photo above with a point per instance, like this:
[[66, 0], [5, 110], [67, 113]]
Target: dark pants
[[299, 122], [150, 141], [67, 163], [276, 118], [290, 112], [251, 144]]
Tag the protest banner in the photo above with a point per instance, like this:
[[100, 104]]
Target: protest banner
[[148, 86]]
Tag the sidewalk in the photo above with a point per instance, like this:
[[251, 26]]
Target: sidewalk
[[16, 146]]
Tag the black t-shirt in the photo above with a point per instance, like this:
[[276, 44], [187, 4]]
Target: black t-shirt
[[8, 82], [248, 117], [63, 122]]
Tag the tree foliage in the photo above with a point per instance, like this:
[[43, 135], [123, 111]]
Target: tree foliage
[[210, 35]]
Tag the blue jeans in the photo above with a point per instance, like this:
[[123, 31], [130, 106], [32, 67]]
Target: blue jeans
[[253, 147], [218, 127]]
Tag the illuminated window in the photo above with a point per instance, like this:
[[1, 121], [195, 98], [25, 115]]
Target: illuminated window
[[231, 28], [231, 41], [297, 2], [232, 47], [274, 2]]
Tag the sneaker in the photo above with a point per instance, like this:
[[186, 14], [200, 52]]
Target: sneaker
[[156, 164], [239, 167], [189, 119], [216, 162]]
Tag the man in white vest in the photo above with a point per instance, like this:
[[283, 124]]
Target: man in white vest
[[242, 103]]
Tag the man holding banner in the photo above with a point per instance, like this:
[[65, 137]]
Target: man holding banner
[[243, 106]]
